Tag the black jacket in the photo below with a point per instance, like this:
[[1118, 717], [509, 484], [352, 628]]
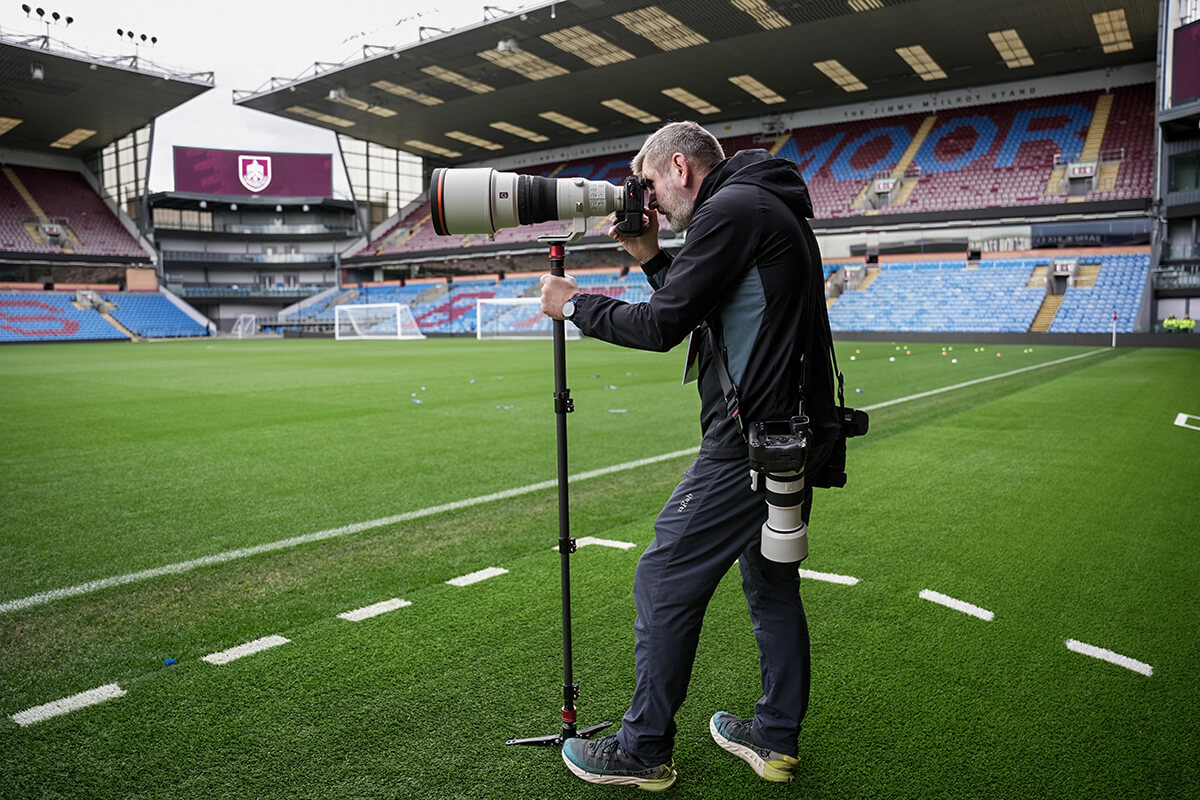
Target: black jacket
[[750, 267]]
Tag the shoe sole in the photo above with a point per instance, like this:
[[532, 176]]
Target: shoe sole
[[761, 768], [649, 784]]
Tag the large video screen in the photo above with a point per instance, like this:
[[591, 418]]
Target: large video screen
[[1185, 79], [252, 172]]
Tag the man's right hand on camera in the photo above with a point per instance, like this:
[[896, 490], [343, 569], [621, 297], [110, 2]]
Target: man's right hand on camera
[[644, 247]]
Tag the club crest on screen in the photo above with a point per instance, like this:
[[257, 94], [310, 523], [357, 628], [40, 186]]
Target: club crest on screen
[[254, 172]]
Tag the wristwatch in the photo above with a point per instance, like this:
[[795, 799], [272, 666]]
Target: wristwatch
[[568, 308]]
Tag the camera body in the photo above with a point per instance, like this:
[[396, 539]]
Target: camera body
[[779, 446], [778, 452], [853, 422], [629, 215]]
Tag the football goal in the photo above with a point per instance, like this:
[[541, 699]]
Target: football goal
[[375, 321], [515, 318], [246, 325]]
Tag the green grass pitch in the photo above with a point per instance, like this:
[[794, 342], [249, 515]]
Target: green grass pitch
[[1061, 499]]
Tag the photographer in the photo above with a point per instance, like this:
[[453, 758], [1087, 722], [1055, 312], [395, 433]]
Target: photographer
[[750, 270]]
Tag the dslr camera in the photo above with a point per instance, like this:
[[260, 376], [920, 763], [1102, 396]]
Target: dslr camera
[[778, 452], [853, 423], [482, 200]]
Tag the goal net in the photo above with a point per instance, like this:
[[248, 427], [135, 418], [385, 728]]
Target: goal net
[[375, 321], [515, 318], [246, 325]]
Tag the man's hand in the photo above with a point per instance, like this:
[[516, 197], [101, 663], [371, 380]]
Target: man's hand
[[644, 247], [555, 292]]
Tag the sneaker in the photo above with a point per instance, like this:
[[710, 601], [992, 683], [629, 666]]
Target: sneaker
[[737, 736], [603, 760]]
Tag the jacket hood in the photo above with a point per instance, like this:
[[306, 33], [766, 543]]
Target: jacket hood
[[780, 176]]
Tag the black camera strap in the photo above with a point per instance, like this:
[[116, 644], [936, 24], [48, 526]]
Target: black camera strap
[[728, 390]]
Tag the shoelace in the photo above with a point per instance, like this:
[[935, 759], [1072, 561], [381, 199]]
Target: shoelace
[[606, 747]]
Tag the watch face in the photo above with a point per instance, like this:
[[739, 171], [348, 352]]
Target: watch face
[[568, 309]]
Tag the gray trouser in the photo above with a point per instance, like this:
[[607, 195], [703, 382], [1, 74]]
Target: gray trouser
[[713, 519]]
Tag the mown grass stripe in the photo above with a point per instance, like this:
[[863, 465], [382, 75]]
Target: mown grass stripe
[[977, 381], [42, 598], [52, 595], [66, 705]]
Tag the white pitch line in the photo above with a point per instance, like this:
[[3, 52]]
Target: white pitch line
[[957, 605], [245, 552], [1185, 421], [52, 595], [1109, 656], [828, 577], [977, 381], [374, 610], [243, 650], [586, 540], [68, 704], [476, 577]]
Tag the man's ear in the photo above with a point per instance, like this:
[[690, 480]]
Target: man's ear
[[681, 168]]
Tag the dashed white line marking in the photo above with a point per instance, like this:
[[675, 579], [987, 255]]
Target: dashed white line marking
[[68, 704], [374, 610], [828, 577], [476, 577], [243, 650], [1109, 656], [957, 605], [586, 540]]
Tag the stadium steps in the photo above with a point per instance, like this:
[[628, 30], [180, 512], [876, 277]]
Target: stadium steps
[[1046, 314], [868, 279], [901, 166], [1091, 145], [111, 320], [26, 195], [780, 142], [1037, 279], [1085, 277], [906, 187], [1054, 186], [413, 230], [1106, 181], [72, 241], [1090, 152]]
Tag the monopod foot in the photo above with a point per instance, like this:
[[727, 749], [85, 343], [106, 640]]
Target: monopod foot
[[557, 739]]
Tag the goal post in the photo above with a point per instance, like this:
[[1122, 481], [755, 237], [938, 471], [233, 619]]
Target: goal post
[[246, 325], [375, 321], [515, 318]]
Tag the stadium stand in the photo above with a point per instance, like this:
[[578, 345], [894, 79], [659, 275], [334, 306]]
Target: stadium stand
[[919, 294], [995, 155], [1118, 281], [89, 227], [152, 316], [50, 317]]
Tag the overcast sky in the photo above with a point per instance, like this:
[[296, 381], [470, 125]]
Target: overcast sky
[[244, 43]]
